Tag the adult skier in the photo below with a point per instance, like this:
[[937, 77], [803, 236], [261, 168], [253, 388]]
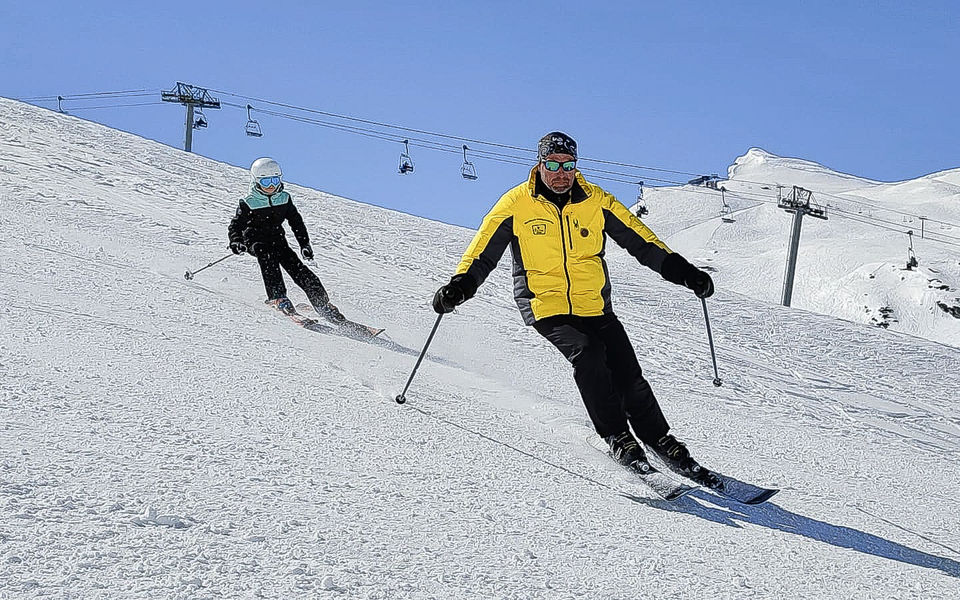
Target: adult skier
[[257, 229], [556, 224]]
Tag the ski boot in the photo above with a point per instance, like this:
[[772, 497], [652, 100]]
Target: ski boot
[[283, 305], [675, 454], [626, 451]]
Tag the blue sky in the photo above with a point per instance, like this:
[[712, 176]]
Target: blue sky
[[869, 88]]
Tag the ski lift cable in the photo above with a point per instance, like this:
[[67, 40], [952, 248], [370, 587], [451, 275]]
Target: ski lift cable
[[628, 178], [343, 127], [894, 229], [441, 135], [595, 173], [882, 208], [370, 133], [620, 177], [608, 175], [838, 196], [371, 122], [391, 126], [76, 108], [893, 224], [143, 91], [91, 94]]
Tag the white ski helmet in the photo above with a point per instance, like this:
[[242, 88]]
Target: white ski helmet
[[265, 167]]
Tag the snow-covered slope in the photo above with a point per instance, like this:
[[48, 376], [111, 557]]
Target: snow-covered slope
[[161, 438], [848, 266]]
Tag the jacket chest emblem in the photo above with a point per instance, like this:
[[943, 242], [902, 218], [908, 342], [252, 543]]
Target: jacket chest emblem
[[584, 232], [539, 229]]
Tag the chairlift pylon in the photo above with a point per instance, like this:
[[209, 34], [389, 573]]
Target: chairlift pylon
[[641, 204], [467, 170], [406, 163], [252, 128]]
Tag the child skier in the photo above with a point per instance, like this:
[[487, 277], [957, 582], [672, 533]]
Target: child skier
[[257, 229]]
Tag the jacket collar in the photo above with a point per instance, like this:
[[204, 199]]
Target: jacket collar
[[256, 191], [580, 191]]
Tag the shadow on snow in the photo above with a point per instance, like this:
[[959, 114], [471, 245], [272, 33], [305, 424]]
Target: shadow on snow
[[728, 512]]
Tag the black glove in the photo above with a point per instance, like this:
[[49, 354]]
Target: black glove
[[306, 252], [677, 270], [237, 247], [448, 297], [254, 248], [700, 282]]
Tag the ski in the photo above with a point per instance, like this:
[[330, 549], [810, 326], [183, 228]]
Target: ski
[[656, 481], [728, 487], [348, 327], [742, 492], [299, 319], [663, 485]]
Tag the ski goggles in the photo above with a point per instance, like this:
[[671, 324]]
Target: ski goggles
[[556, 165], [266, 182]]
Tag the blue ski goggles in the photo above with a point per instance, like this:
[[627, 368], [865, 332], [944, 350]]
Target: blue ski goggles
[[556, 165], [266, 182]]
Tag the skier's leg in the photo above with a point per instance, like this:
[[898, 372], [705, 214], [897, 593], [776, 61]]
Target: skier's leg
[[639, 403], [303, 277], [573, 337], [642, 407], [270, 271]]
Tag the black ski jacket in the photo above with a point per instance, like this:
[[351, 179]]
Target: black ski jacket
[[259, 220]]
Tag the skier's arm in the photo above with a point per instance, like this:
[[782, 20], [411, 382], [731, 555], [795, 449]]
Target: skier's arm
[[238, 223], [630, 233], [488, 245], [296, 224]]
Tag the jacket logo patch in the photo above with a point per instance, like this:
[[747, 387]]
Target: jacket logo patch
[[540, 229], [584, 232]]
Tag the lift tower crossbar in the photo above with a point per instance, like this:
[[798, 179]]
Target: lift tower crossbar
[[190, 96]]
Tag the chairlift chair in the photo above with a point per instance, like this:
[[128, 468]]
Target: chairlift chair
[[406, 163], [912, 262], [60, 105], [467, 171], [253, 128], [201, 120], [641, 205], [726, 213]]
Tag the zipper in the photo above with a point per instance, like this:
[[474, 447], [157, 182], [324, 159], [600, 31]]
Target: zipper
[[564, 248]]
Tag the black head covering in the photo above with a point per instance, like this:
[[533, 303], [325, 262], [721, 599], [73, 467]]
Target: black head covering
[[556, 142]]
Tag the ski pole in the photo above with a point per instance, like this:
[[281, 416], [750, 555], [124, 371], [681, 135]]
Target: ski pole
[[403, 395], [189, 274], [716, 374]]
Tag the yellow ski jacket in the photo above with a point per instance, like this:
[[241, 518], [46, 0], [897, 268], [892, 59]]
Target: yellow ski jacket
[[558, 265]]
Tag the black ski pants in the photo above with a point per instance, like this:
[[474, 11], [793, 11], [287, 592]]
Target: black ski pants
[[607, 373], [273, 256]]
